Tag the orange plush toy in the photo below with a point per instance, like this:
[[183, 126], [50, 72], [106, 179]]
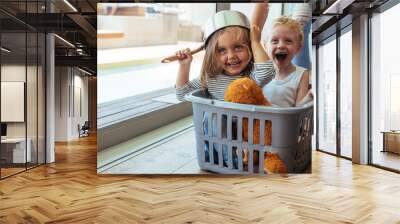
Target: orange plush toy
[[273, 164], [246, 91]]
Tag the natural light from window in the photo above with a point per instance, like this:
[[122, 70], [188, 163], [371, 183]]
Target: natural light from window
[[327, 97], [134, 37], [385, 83]]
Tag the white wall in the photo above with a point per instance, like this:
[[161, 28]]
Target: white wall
[[61, 103], [70, 84], [196, 13], [13, 73], [80, 103], [12, 101], [138, 30], [33, 126]]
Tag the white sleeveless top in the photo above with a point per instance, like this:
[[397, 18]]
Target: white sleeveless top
[[283, 93]]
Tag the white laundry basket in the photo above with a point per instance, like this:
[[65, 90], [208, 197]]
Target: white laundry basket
[[218, 128]]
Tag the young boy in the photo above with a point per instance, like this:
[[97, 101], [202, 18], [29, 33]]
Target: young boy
[[289, 87]]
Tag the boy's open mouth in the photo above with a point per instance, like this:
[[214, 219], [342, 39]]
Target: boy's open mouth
[[280, 56]]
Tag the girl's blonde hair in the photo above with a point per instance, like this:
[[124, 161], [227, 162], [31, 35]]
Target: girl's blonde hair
[[211, 67], [292, 23]]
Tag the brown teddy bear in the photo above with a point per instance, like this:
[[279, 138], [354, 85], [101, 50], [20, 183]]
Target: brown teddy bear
[[246, 91]]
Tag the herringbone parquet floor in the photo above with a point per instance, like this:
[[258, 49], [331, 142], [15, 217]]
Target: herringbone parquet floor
[[70, 191]]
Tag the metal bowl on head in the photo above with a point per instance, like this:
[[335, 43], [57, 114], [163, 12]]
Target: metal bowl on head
[[224, 19], [218, 21]]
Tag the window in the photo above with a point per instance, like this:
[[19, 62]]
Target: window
[[346, 94], [132, 82], [134, 37], [385, 86], [22, 68], [327, 97]]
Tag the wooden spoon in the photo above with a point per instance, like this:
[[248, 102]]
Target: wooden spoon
[[174, 57]]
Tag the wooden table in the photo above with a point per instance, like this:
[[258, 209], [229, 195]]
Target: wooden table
[[13, 150], [391, 141]]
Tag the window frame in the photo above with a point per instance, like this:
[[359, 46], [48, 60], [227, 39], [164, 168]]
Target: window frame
[[332, 33], [119, 132], [379, 10]]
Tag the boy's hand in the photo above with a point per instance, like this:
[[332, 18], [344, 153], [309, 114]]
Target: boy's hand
[[255, 34], [184, 56]]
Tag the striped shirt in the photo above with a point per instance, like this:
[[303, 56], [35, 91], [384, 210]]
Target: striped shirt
[[216, 86]]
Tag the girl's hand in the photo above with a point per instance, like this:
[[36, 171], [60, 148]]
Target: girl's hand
[[184, 56], [255, 34], [260, 14]]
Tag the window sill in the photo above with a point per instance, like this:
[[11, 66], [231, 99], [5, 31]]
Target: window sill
[[124, 119]]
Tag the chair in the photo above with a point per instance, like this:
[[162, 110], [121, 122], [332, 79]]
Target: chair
[[84, 130]]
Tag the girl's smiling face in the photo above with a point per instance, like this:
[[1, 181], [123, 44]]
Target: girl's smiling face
[[233, 53]]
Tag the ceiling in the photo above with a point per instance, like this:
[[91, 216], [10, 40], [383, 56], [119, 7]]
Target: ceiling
[[328, 15], [76, 24]]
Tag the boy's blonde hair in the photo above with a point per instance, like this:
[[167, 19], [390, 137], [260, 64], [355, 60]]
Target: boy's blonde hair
[[292, 23], [211, 67]]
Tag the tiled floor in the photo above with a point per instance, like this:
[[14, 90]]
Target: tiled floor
[[164, 150], [176, 155]]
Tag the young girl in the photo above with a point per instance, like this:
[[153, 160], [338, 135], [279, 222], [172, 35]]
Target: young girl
[[289, 88], [227, 57]]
